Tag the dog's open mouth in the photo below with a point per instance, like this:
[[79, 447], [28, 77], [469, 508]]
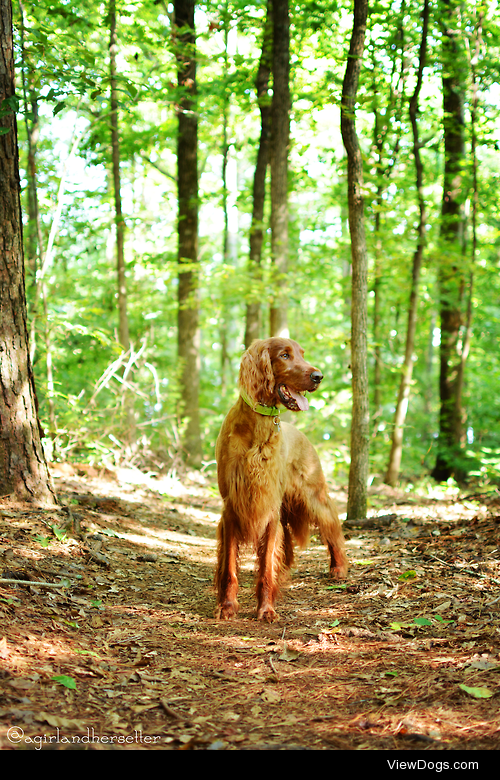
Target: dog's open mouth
[[292, 399]]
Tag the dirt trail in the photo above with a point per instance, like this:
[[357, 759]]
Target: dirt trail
[[404, 656]]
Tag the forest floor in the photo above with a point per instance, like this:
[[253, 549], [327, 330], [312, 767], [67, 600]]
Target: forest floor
[[127, 654]]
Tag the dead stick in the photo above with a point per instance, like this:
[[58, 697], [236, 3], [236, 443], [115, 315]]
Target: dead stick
[[33, 582], [466, 571]]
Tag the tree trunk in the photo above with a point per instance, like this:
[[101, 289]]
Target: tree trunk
[[280, 138], [252, 327], [188, 333], [23, 469], [383, 127], [229, 199], [123, 331], [33, 243], [451, 272], [394, 465], [475, 203], [360, 433]]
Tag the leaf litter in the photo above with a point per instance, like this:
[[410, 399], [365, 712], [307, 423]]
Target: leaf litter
[[125, 651]]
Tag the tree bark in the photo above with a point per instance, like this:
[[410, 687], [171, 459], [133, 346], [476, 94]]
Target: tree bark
[[252, 322], [360, 433], [188, 333], [34, 240], [23, 469], [394, 465], [280, 139], [475, 203], [382, 127], [451, 272], [123, 330], [229, 238]]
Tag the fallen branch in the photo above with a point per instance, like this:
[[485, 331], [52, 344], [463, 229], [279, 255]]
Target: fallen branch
[[32, 582], [466, 571]]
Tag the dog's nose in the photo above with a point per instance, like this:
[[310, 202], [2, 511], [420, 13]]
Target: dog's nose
[[316, 377]]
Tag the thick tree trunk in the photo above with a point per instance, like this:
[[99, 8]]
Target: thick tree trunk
[[188, 333], [360, 432], [252, 325], [23, 469], [123, 331], [394, 465], [451, 271], [280, 139]]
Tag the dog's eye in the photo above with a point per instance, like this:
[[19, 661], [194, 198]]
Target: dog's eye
[[285, 356]]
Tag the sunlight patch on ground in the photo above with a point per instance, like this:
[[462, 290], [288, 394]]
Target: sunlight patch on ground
[[164, 539]]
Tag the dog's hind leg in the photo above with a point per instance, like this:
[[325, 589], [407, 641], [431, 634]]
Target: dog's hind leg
[[330, 530], [226, 575]]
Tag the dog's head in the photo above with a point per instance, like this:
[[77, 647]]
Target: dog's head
[[273, 371]]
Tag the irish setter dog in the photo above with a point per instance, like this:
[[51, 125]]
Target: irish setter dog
[[270, 477]]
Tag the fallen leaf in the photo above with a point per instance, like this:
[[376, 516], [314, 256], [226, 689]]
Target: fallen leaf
[[477, 693], [443, 607], [483, 664], [270, 695], [22, 685], [63, 679], [58, 722], [288, 655], [231, 716]]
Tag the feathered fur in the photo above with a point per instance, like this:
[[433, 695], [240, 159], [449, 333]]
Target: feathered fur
[[270, 478]]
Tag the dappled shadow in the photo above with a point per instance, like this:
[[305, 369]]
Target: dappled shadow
[[387, 660]]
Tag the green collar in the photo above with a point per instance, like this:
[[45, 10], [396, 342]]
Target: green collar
[[260, 408]]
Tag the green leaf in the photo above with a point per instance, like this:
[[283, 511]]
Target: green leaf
[[63, 679], [442, 620], [43, 541], [408, 575], [9, 106], [477, 693], [422, 622], [88, 652], [59, 533], [59, 107], [71, 623]]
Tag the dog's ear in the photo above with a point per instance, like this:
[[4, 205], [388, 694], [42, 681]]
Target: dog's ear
[[256, 372]]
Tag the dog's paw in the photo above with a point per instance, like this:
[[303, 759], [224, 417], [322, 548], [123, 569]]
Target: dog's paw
[[268, 614], [338, 572], [227, 610]]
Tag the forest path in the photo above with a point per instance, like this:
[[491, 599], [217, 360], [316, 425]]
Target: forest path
[[404, 656]]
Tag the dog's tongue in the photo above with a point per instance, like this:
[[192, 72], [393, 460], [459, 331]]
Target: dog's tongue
[[300, 400]]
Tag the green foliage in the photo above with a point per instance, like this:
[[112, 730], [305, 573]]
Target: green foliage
[[65, 680], [63, 65]]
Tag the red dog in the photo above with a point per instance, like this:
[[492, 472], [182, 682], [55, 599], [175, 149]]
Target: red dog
[[270, 477]]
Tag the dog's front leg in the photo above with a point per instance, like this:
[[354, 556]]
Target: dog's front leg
[[270, 559], [226, 575]]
